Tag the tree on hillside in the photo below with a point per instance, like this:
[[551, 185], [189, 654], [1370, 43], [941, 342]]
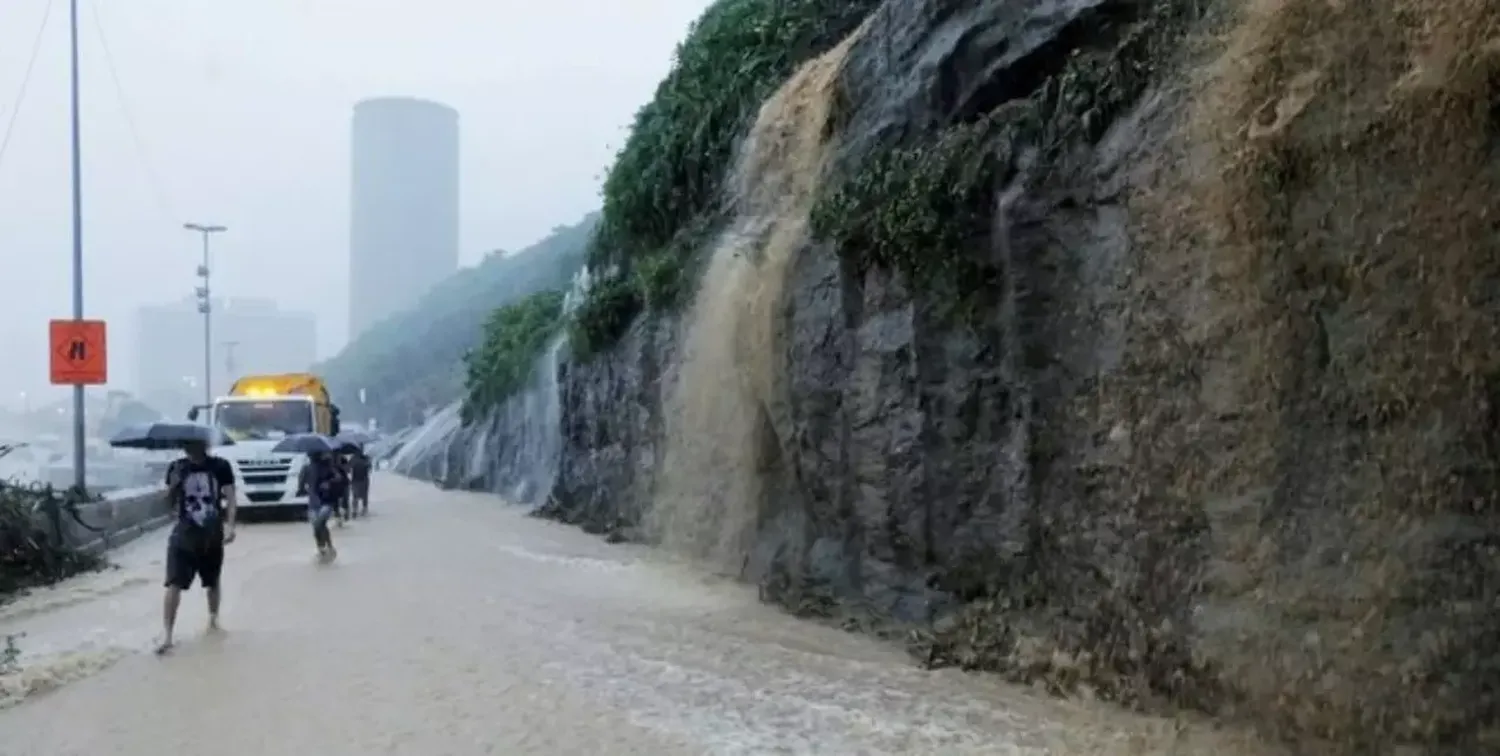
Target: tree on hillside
[[413, 360]]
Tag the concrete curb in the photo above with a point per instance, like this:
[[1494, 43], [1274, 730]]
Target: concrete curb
[[119, 519], [125, 535]]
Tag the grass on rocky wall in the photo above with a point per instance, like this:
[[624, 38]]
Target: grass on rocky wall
[[916, 209], [514, 337], [664, 190], [926, 208]]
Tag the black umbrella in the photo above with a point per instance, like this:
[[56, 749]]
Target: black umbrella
[[345, 446], [165, 435], [305, 443], [356, 437]]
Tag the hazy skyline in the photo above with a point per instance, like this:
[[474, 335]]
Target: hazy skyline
[[244, 112]]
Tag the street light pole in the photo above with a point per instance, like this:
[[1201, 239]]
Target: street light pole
[[80, 478], [205, 306]]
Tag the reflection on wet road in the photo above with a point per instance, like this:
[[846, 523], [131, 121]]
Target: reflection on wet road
[[452, 624]]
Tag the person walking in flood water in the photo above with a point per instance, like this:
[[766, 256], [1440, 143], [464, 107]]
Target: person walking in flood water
[[359, 481], [326, 485], [201, 487], [346, 501]]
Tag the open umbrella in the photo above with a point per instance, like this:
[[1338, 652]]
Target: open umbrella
[[305, 443], [356, 437], [166, 435]]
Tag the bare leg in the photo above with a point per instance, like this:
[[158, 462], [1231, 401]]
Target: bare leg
[[320, 531], [213, 607], [169, 605], [325, 539]]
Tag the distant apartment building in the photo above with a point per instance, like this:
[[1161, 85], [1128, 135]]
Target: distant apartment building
[[403, 224], [249, 336]]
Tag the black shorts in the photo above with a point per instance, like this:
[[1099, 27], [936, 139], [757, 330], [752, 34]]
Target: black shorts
[[184, 564]]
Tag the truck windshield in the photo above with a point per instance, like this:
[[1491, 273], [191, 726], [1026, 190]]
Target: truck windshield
[[248, 421]]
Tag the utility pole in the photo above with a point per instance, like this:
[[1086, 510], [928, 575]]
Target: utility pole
[[80, 441], [205, 306]]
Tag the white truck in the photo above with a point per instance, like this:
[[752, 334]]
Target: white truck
[[259, 411]]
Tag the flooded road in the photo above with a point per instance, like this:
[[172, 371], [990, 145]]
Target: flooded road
[[452, 624]]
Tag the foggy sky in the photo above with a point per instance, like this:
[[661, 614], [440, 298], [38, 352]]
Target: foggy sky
[[243, 110]]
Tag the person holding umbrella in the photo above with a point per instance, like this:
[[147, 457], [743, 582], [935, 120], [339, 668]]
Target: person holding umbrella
[[202, 492], [359, 480], [357, 465], [324, 482], [326, 490], [346, 501]]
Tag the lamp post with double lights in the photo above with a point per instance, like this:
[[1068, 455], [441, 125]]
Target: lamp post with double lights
[[205, 306]]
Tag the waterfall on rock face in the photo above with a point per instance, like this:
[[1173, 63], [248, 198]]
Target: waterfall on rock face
[[717, 416], [582, 280], [1320, 254], [526, 435], [514, 449], [425, 453]]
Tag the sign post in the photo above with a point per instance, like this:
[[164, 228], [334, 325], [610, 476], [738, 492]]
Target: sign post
[[79, 351], [78, 356]]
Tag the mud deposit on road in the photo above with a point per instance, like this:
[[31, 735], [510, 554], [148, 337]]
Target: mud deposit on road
[[452, 624]]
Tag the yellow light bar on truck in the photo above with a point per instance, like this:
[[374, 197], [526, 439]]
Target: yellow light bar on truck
[[259, 391]]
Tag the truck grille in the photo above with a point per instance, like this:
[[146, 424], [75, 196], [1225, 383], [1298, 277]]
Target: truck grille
[[267, 471]]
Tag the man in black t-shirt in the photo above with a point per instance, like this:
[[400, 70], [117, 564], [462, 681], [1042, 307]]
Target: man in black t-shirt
[[201, 487]]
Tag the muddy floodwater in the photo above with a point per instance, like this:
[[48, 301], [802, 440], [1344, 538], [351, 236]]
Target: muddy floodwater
[[453, 624]]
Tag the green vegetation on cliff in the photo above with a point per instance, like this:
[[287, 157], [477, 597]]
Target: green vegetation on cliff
[[414, 360], [926, 207], [915, 208], [514, 337], [662, 197]]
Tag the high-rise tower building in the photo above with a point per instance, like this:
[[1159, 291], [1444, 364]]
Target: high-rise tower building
[[403, 224]]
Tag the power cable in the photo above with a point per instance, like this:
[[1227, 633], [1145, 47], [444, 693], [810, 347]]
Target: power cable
[[152, 177], [36, 48]]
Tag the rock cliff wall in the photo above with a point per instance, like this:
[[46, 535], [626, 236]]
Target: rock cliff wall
[[1192, 398]]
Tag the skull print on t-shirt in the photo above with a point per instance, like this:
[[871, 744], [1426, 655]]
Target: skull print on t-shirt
[[197, 488], [200, 497]]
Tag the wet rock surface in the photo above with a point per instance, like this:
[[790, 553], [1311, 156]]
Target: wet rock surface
[[1080, 483], [613, 431]]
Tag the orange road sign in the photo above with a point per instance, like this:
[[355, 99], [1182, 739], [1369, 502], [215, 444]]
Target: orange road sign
[[80, 355]]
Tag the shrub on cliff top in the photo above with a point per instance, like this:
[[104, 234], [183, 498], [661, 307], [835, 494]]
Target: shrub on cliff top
[[671, 172], [514, 337]]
